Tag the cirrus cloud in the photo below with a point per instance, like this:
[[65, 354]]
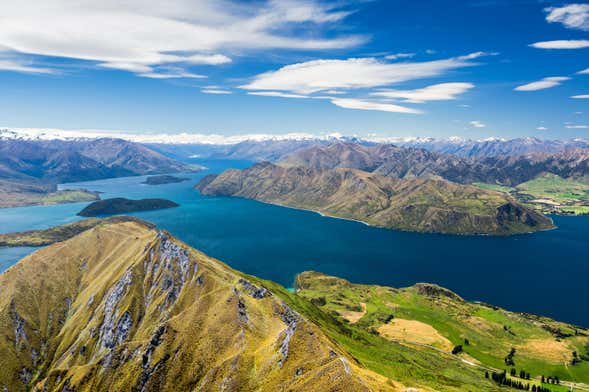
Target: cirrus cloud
[[436, 92], [141, 35], [562, 44], [543, 84], [350, 103], [353, 73]]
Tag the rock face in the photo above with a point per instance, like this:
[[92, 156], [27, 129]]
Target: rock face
[[416, 204], [124, 307]]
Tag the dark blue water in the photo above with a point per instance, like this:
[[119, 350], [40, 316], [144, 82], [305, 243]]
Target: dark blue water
[[544, 273]]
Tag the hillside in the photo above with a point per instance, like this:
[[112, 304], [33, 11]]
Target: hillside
[[27, 193], [418, 204], [125, 307], [30, 169], [432, 316]]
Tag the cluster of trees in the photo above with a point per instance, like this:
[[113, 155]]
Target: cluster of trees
[[509, 358], [457, 349], [522, 374], [502, 379], [551, 380]]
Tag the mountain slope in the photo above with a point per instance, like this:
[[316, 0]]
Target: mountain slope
[[419, 204], [426, 314], [125, 307]]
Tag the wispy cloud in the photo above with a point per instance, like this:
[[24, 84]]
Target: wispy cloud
[[542, 129], [477, 124], [576, 126], [398, 56], [16, 65], [562, 44], [354, 73], [436, 92], [215, 91], [582, 96], [350, 103], [139, 36], [584, 72], [543, 84], [276, 94], [572, 16]]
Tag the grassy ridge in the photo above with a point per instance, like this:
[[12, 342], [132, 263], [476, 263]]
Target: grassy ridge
[[543, 346]]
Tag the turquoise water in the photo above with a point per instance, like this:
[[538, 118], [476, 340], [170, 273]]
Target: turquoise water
[[544, 273]]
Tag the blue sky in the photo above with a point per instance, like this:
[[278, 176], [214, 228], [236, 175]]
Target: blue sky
[[474, 69]]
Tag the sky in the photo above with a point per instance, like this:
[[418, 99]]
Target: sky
[[472, 68]]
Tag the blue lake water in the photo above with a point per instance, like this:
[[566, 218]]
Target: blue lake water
[[544, 273]]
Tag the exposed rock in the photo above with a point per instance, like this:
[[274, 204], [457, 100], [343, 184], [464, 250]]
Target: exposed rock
[[255, 291], [108, 336], [19, 326], [291, 319], [25, 375], [433, 290]]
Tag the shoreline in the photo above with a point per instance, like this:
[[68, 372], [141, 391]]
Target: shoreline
[[397, 229]]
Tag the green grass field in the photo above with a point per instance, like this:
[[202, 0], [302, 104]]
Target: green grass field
[[553, 187], [493, 187], [68, 196], [543, 346]]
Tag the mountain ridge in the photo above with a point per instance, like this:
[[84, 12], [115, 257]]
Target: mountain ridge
[[418, 204]]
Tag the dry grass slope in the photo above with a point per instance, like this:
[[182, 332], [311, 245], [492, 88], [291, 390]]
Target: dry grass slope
[[124, 307]]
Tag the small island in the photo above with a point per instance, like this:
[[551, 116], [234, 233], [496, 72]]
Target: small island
[[163, 179], [121, 205]]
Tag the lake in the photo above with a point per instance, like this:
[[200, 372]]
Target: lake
[[544, 273]]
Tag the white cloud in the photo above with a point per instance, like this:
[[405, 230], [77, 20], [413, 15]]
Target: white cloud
[[171, 73], [584, 72], [573, 126], [572, 16], [582, 96], [16, 65], [542, 129], [543, 84], [349, 103], [215, 91], [476, 124], [562, 44], [398, 56], [140, 35], [436, 92], [276, 94], [322, 75]]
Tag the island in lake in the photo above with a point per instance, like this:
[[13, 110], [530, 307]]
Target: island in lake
[[163, 179], [120, 205]]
